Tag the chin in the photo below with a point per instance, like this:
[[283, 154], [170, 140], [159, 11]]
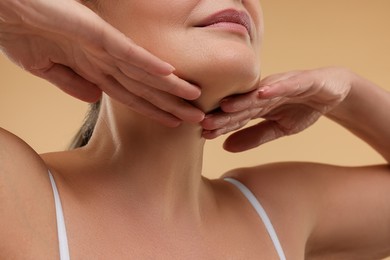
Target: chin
[[210, 100], [222, 72], [214, 93]]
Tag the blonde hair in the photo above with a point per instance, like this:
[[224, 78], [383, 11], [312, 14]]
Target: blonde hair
[[85, 132]]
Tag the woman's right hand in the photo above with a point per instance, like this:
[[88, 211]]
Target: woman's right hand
[[69, 45]]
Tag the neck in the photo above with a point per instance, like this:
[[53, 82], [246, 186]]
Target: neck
[[156, 166]]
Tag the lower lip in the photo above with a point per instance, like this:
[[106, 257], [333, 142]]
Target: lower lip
[[231, 27]]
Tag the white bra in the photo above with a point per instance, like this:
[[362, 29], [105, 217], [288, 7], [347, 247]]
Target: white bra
[[61, 229], [263, 215], [63, 240]]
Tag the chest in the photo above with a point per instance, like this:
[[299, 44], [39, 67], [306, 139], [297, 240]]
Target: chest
[[234, 233], [222, 241]]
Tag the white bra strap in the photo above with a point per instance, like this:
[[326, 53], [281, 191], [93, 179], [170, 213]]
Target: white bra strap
[[62, 237], [263, 215]]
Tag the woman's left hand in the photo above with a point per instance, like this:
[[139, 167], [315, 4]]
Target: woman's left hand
[[288, 102]]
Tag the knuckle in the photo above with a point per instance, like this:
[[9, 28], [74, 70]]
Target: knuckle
[[232, 127], [142, 76], [254, 112], [130, 51], [132, 102], [147, 94]]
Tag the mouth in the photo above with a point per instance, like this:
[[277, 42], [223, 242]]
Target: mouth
[[230, 19]]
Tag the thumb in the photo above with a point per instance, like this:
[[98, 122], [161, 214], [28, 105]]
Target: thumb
[[253, 136]]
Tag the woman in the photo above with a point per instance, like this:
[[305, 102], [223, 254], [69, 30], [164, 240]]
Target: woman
[[136, 189]]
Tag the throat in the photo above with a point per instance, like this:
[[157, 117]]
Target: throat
[[158, 169]]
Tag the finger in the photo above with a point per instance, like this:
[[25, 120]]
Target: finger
[[223, 120], [170, 84], [127, 74], [212, 134], [121, 47], [173, 105], [70, 82], [114, 87], [278, 77], [139, 104], [251, 100], [253, 136], [239, 102], [300, 85], [166, 102]]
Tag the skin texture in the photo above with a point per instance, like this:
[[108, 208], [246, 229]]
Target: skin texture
[[137, 188]]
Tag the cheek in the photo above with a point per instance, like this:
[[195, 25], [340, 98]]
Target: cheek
[[200, 52], [145, 21]]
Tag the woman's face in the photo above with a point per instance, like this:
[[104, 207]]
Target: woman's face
[[213, 43]]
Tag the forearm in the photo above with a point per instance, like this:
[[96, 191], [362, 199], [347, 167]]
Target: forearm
[[366, 113]]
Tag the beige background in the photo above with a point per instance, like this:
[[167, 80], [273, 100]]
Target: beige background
[[299, 34]]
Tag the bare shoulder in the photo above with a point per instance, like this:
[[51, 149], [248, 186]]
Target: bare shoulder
[[332, 206], [287, 182], [309, 181], [17, 156], [286, 191], [24, 197]]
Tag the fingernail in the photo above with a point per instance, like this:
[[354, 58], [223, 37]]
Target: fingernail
[[196, 86], [195, 92], [198, 118], [262, 91], [170, 67], [197, 89], [223, 101]]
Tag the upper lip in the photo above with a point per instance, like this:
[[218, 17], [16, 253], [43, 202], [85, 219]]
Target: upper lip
[[228, 16]]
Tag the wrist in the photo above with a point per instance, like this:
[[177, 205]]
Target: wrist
[[364, 106], [352, 97], [364, 112]]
